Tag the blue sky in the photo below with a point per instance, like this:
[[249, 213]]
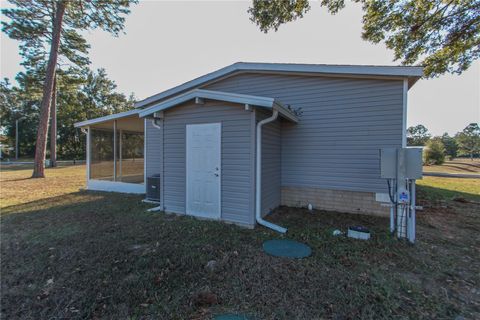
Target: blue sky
[[168, 43]]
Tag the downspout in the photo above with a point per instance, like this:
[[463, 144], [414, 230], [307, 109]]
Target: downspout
[[154, 123], [258, 178]]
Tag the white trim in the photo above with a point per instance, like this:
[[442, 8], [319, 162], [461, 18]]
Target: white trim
[[114, 150], [115, 186], [265, 102], [219, 125], [88, 152], [106, 118], [387, 71], [145, 154], [120, 147], [404, 115]]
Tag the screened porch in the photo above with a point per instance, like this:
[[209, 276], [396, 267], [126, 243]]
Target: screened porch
[[115, 153]]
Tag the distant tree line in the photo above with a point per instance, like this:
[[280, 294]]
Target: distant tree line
[[465, 143], [80, 96]]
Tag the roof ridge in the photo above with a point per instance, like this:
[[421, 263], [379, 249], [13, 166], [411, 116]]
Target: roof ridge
[[412, 73]]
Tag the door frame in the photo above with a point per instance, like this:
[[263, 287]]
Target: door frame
[[219, 124]]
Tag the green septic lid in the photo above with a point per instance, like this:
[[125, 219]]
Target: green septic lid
[[230, 317], [287, 248]]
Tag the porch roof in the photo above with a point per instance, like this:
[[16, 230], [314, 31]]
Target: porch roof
[[258, 101], [130, 113]]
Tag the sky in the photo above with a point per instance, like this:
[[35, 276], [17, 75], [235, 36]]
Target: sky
[[168, 43]]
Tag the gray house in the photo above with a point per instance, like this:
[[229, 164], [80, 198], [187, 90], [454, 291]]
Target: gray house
[[238, 142]]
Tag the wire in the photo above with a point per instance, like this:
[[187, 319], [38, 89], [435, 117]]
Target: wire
[[390, 192]]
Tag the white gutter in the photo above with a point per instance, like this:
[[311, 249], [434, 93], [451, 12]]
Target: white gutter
[[258, 180]]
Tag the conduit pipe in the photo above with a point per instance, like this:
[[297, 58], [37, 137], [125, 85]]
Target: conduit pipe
[[258, 180]]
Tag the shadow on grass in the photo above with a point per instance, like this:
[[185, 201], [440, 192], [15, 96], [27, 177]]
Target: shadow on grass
[[428, 193], [462, 168], [18, 167]]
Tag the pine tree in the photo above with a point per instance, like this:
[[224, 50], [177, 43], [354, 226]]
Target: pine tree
[[40, 24]]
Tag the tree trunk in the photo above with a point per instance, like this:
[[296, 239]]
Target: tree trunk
[[41, 145], [53, 127]]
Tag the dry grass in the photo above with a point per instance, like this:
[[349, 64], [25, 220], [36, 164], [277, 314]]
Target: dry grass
[[463, 166], [76, 254], [16, 187]]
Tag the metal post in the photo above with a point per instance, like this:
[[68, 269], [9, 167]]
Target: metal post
[[120, 142], [412, 218], [401, 185], [114, 150], [89, 153], [392, 206], [16, 139]]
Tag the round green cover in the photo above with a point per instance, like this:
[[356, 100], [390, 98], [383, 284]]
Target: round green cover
[[231, 317], [287, 248]]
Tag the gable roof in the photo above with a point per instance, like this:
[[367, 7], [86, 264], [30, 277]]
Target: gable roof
[[263, 102], [410, 73]]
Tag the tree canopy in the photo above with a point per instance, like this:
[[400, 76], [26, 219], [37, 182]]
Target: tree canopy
[[417, 135], [31, 23], [469, 139], [80, 96], [443, 36]]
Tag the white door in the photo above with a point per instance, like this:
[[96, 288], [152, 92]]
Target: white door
[[203, 170]]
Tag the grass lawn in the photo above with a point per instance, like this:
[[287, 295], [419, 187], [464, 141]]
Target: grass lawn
[[438, 188], [68, 253], [459, 165]]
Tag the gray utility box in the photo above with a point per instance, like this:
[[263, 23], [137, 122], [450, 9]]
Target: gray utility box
[[153, 187], [407, 160]]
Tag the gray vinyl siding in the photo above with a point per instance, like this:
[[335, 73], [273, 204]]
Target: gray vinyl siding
[[345, 121], [153, 138], [271, 163], [236, 158]]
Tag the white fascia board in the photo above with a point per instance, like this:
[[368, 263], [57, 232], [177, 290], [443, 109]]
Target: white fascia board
[[399, 71], [284, 112], [187, 85], [265, 102], [106, 118], [413, 73]]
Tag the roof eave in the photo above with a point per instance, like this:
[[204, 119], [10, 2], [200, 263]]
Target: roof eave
[[106, 118], [413, 73]]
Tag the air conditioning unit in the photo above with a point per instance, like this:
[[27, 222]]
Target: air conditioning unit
[[153, 187]]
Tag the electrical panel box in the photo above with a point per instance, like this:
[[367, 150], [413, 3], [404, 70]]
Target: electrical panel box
[[414, 163], [401, 163], [388, 163]]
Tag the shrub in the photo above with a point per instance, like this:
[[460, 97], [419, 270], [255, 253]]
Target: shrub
[[434, 152]]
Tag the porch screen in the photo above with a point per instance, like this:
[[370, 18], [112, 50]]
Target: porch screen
[[102, 158], [130, 157]]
